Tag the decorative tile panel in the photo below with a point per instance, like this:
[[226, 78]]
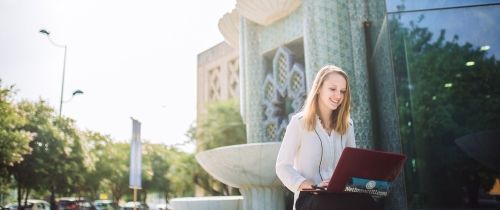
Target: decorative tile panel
[[333, 33], [214, 84], [254, 74], [332, 37], [284, 91], [281, 32], [233, 78], [282, 63]]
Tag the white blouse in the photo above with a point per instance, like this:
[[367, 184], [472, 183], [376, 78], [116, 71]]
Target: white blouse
[[311, 155]]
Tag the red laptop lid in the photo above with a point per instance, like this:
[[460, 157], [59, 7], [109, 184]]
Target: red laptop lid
[[366, 164]]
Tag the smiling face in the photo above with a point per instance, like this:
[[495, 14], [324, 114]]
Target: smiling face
[[332, 92], [329, 99]]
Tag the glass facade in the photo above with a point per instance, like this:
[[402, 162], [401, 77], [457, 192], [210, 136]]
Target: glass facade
[[446, 63], [406, 5]]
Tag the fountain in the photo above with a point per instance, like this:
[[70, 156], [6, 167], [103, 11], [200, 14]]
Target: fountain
[[249, 167], [272, 87]]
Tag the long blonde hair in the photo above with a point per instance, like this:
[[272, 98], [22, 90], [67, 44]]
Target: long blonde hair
[[340, 116]]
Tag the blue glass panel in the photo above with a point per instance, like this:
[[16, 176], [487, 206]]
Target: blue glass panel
[[447, 73], [404, 5]]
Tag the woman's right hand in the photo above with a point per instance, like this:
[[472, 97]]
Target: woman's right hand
[[324, 183], [306, 185]]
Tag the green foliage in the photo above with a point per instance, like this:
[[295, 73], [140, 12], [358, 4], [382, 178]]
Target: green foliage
[[96, 161], [154, 169], [115, 167], [164, 170], [46, 154], [32, 172], [56, 161], [180, 173], [72, 161], [222, 126], [14, 142]]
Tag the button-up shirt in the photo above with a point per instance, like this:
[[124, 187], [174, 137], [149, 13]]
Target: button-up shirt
[[311, 155]]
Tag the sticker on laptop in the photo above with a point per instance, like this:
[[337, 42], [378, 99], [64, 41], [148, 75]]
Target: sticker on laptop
[[373, 187]]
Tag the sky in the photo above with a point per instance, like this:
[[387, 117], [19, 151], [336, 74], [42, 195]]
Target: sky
[[131, 58]]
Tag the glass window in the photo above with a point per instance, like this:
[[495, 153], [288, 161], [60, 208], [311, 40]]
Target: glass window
[[447, 71], [405, 5]]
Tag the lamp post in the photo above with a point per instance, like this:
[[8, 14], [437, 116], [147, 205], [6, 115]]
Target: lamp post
[[76, 92]]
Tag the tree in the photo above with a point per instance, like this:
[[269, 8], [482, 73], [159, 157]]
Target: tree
[[182, 169], [56, 160], [31, 173], [14, 142], [222, 126], [156, 163], [98, 167], [73, 160], [149, 153], [115, 164]]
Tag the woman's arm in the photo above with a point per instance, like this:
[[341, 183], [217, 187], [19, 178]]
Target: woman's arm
[[290, 146]]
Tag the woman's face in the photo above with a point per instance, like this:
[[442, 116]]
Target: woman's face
[[332, 92]]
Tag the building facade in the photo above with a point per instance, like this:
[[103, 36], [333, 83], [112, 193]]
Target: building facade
[[217, 76], [424, 76]]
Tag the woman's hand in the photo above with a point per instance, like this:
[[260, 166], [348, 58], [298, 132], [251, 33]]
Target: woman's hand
[[306, 185], [324, 183]]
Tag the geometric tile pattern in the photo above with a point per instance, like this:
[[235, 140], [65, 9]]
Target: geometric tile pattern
[[281, 32], [284, 93], [233, 78], [333, 33], [214, 85], [252, 70]]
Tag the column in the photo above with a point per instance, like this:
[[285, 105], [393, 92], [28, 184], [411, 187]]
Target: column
[[252, 68]]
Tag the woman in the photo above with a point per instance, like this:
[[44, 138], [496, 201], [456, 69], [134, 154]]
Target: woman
[[316, 136]]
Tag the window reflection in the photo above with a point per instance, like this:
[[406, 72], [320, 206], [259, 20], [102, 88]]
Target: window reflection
[[447, 76], [407, 5]]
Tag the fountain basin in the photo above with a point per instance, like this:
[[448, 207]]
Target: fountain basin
[[249, 167], [242, 164], [208, 203]]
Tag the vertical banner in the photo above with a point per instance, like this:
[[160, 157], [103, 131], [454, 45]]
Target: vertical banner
[[135, 156]]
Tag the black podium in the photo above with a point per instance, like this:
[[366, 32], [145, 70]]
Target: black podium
[[337, 201]]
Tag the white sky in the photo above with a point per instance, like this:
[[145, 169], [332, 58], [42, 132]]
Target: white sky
[[132, 58]]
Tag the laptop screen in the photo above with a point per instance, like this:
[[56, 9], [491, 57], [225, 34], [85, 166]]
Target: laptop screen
[[365, 164]]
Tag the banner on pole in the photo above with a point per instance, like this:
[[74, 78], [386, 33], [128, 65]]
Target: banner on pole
[[135, 156]]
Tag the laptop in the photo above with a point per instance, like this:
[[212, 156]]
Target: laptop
[[364, 169]]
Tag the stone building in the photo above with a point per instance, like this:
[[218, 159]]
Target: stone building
[[417, 69], [217, 76]]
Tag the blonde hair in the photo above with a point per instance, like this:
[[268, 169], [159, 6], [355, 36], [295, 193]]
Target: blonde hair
[[340, 116]]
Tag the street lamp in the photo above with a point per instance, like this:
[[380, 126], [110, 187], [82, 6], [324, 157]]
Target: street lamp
[[76, 92]]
